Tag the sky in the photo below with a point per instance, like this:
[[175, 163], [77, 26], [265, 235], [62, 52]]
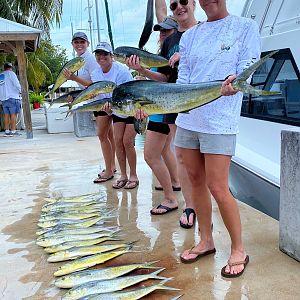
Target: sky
[[127, 21]]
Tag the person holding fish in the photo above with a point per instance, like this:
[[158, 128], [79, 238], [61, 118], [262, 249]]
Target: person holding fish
[[206, 136], [183, 13], [80, 45]]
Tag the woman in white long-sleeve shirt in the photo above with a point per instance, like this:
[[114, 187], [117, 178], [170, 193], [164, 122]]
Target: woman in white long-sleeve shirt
[[206, 136]]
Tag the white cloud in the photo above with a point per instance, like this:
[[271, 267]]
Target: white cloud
[[127, 21]]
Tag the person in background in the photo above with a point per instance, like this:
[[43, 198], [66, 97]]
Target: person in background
[[80, 45], [183, 13], [206, 137], [10, 90]]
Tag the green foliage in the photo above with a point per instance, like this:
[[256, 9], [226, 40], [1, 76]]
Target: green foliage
[[36, 97]]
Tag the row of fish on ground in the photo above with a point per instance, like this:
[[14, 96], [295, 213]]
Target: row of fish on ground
[[75, 229]]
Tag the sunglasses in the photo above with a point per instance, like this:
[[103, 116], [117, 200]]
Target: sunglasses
[[164, 30], [102, 53], [174, 5]]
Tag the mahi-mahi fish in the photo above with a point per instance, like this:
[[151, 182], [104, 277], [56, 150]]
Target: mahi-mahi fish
[[73, 65], [147, 59], [108, 286], [77, 278], [163, 98], [131, 295], [89, 261]]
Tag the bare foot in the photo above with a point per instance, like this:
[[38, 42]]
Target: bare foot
[[236, 256], [202, 247]]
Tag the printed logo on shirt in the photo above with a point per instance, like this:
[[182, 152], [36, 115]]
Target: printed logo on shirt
[[2, 77]]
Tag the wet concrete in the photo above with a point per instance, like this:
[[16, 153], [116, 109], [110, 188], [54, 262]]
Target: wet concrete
[[63, 165]]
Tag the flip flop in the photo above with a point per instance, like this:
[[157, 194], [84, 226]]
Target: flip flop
[[188, 212], [120, 183], [131, 184], [103, 179], [175, 188], [199, 255], [168, 209], [228, 275], [103, 171]]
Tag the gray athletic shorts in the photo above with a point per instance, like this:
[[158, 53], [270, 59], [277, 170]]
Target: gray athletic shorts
[[207, 143]]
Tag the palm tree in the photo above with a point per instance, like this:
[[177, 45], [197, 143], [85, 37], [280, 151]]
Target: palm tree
[[36, 13]]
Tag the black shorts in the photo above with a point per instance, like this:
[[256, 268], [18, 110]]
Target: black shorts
[[170, 118], [127, 120], [158, 127], [100, 113]]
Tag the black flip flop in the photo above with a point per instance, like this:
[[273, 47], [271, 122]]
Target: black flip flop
[[228, 275], [99, 174], [188, 212], [175, 188], [168, 209], [103, 179]]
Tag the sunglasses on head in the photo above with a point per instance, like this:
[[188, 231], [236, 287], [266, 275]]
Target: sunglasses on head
[[174, 5]]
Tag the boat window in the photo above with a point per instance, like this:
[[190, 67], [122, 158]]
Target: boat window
[[280, 74]]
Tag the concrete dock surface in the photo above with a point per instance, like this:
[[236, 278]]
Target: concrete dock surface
[[62, 165]]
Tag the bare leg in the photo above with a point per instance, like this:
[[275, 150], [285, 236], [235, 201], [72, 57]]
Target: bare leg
[[13, 122], [119, 129], [195, 166], [128, 142], [113, 147], [154, 146], [6, 122], [217, 172], [170, 161], [103, 126], [186, 186]]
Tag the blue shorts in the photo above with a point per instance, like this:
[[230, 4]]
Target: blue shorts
[[11, 106]]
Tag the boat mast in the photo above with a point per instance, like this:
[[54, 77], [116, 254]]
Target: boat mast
[[97, 19], [108, 24]]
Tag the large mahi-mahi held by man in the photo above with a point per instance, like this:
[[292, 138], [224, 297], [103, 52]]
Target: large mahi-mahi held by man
[[163, 98]]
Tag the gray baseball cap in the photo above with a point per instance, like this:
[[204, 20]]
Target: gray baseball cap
[[104, 46], [168, 23], [80, 35]]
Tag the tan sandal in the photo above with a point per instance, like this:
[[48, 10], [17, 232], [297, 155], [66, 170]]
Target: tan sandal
[[131, 184], [120, 183], [231, 264], [198, 255]]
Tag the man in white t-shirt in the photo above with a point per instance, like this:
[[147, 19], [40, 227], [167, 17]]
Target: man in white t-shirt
[[206, 136], [10, 90]]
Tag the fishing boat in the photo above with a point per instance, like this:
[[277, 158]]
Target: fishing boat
[[255, 169]]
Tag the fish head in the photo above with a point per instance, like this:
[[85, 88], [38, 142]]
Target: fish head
[[76, 293]]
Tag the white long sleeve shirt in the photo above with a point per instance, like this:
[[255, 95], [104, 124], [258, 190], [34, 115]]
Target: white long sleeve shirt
[[212, 51], [9, 86]]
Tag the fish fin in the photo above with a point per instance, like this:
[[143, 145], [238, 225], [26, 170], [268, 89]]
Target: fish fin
[[161, 285], [155, 273], [140, 125], [149, 264], [144, 102], [147, 30]]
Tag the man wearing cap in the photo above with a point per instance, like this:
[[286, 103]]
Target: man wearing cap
[[10, 89], [183, 13], [80, 44]]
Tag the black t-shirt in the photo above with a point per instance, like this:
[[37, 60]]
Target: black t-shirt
[[170, 46]]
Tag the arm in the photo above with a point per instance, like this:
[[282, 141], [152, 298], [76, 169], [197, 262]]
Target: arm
[[133, 62], [72, 76], [16, 81], [160, 10]]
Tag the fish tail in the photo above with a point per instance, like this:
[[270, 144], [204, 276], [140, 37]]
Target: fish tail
[[149, 264], [161, 285], [240, 82], [154, 275]]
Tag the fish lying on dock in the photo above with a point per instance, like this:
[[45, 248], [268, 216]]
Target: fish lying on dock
[[78, 278], [89, 261], [77, 252], [73, 65], [52, 241], [132, 295], [69, 216], [82, 198], [83, 243], [147, 59], [108, 286]]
